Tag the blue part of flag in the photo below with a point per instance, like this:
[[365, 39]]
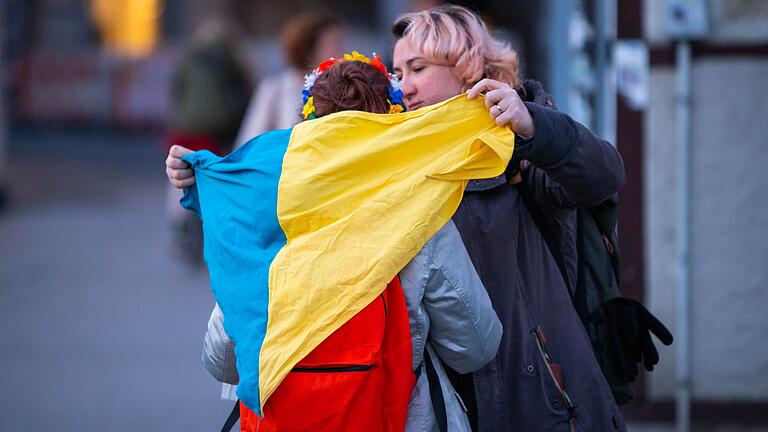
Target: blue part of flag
[[236, 198]]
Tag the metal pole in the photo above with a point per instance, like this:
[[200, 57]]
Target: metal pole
[[601, 62], [559, 17], [3, 113], [605, 76], [682, 237]]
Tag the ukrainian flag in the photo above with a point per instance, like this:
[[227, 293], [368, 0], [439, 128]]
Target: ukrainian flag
[[305, 227]]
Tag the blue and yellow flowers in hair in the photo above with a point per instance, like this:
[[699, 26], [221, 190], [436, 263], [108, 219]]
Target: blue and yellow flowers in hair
[[395, 93], [309, 108]]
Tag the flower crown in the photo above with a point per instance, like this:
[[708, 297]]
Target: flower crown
[[395, 99]]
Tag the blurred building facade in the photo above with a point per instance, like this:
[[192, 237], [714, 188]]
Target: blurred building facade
[[728, 202], [726, 226], [109, 62]]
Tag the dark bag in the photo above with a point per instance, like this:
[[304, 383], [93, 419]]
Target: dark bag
[[619, 328]]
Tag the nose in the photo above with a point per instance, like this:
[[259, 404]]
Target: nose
[[408, 87]]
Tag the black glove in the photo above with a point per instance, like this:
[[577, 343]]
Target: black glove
[[629, 332]]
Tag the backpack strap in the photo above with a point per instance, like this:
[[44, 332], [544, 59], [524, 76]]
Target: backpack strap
[[436, 394], [234, 416], [542, 225]]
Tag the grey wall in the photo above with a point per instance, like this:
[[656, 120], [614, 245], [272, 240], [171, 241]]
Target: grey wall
[[729, 211], [730, 21]]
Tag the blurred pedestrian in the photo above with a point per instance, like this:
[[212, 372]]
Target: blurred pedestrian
[[209, 95], [306, 40], [209, 91]]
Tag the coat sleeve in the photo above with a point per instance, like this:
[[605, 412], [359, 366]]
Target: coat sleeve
[[219, 351], [581, 168], [464, 328]]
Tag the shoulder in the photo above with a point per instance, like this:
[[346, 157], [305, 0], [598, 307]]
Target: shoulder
[[448, 258], [444, 240], [434, 256]]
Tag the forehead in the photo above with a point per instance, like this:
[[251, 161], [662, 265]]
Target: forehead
[[404, 52]]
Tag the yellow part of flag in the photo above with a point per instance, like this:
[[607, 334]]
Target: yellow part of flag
[[358, 197]]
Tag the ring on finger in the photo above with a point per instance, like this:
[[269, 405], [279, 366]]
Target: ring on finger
[[498, 110]]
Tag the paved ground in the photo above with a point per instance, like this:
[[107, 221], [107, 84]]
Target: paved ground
[[100, 327]]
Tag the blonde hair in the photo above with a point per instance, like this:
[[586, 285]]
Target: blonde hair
[[455, 36]]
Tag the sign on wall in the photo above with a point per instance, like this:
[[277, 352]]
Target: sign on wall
[[632, 72], [687, 19]]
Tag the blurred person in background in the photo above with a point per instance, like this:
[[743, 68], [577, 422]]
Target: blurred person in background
[[545, 375], [209, 96], [306, 40]]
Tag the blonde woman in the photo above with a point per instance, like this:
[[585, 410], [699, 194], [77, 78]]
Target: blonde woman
[[545, 376]]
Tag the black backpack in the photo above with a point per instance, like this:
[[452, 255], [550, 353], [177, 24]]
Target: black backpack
[[619, 328]]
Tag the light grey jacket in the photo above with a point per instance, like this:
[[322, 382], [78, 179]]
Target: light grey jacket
[[450, 315]]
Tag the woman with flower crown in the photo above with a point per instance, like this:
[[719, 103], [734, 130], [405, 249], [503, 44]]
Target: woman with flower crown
[[450, 317]]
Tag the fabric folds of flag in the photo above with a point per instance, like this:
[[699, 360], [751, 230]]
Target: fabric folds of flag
[[305, 227]]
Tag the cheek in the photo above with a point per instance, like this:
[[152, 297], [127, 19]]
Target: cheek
[[445, 84], [453, 85]]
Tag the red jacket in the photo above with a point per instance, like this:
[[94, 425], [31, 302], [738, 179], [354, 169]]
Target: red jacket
[[359, 379]]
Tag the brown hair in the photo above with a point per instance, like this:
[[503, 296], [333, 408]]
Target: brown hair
[[351, 85], [300, 35]]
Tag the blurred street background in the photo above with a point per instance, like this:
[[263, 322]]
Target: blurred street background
[[101, 326], [103, 302]]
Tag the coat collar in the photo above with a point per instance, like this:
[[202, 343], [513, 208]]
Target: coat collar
[[486, 184]]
